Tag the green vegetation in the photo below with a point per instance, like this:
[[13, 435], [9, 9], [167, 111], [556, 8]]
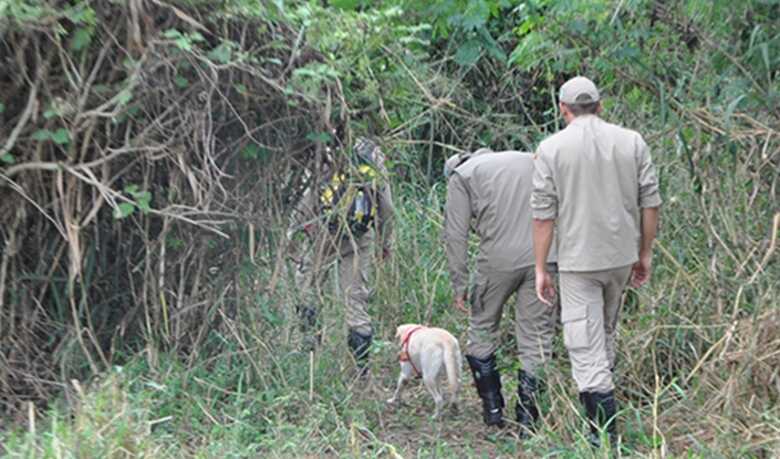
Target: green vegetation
[[150, 153]]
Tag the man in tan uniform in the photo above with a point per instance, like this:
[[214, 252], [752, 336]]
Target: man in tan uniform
[[329, 241], [490, 193], [597, 182]]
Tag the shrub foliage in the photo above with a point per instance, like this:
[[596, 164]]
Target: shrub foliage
[[150, 152]]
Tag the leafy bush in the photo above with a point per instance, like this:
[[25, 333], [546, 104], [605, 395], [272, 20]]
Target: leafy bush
[[151, 152]]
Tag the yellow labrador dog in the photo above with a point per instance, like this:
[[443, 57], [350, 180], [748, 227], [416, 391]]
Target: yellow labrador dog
[[424, 352]]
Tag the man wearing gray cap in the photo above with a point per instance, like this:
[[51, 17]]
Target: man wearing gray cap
[[490, 193], [596, 182]]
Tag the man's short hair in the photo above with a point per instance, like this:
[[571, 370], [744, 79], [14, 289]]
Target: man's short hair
[[459, 158], [583, 109]]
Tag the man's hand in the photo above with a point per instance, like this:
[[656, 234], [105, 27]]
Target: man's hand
[[460, 303], [640, 272], [545, 289], [543, 236]]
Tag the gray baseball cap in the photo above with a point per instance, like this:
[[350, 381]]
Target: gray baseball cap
[[451, 163], [368, 152], [579, 90]]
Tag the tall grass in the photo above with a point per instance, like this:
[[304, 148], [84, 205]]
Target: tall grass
[[203, 327], [250, 392]]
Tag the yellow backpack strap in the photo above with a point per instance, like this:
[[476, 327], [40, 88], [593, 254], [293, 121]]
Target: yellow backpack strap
[[329, 194], [371, 175]]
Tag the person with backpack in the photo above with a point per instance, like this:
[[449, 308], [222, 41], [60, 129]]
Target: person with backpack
[[489, 193], [596, 186], [340, 219]]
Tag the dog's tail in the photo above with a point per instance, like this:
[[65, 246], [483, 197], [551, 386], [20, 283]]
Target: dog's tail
[[452, 363]]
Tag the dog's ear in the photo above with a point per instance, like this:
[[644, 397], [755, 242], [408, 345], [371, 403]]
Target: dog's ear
[[398, 332]]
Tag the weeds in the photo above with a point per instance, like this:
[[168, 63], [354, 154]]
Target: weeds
[[112, 235]]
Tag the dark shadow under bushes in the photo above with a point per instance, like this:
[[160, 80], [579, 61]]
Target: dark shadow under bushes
[[140, 143]]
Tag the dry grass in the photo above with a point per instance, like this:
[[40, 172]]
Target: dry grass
[[195, 318]]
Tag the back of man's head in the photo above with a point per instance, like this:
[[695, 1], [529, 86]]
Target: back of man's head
[[580, 95], [459, 158]]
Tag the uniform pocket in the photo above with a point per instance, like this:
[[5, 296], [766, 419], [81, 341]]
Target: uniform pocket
[[575, 327], [478, 296]]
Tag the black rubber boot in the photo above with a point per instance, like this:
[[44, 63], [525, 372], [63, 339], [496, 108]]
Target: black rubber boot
[[360, 345], [488, 382], [307, 315], [526, 408], [600, 409]]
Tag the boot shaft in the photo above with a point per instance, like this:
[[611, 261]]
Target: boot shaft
[[527, 410], [486, 377], [601, 410], [488, 382], [360, 345]]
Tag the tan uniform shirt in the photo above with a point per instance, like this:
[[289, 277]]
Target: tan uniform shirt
[[493, 190], [594, 177]]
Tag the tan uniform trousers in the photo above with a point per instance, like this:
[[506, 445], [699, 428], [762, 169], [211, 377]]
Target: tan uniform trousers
[[353, 258], [590, 304], [534, 321]]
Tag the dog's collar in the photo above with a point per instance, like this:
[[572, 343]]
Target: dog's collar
[[404, 356]]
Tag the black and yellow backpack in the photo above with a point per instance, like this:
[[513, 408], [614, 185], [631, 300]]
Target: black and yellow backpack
[[349, 201]]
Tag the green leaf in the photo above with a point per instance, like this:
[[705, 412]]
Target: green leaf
[[476, 14], [251, 151], [61, 136], [81, 14], [8, 158], [323, 137], [81, 38], [468, 53], [279, 4], [144, 198], [123, 210], [124, 96], [174, 243], [42, 134], [491, 45], [349, 5], [317, 71], [171, 33], [765, 55], [527, 53], [184, 43], [221, 53], [181, 82], [2, 107]]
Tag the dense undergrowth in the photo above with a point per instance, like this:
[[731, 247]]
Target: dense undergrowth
[[151, 152]]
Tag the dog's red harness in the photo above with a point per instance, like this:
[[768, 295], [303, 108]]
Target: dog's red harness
[[404, 355]]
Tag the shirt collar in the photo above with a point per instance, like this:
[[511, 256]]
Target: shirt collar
[[584, 119]]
